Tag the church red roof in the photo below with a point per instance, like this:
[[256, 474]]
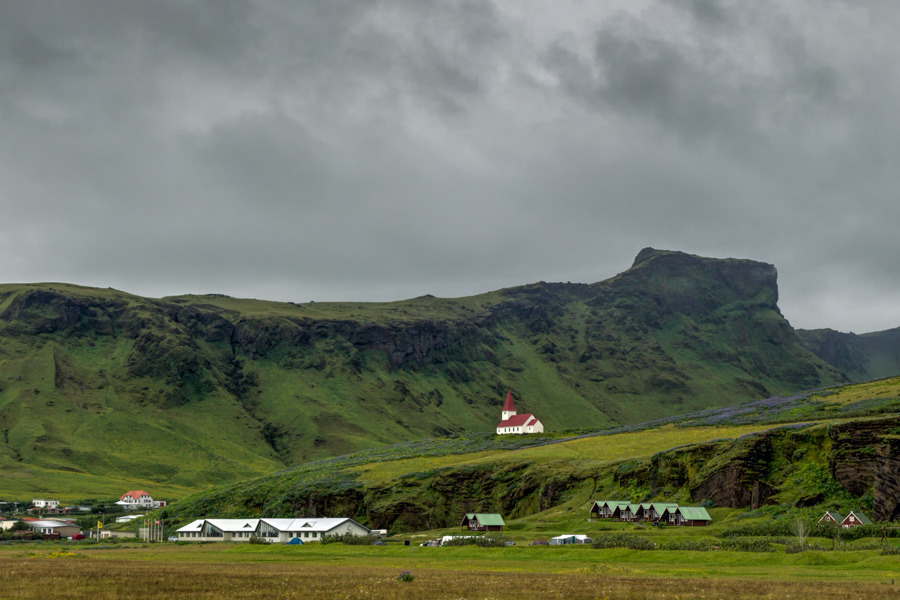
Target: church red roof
[[517, 420], [508, 405]]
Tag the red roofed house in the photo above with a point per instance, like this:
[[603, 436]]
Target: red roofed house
[[510, 422], [135, 499]]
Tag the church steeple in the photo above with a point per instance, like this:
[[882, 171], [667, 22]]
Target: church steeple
[[509, 409]]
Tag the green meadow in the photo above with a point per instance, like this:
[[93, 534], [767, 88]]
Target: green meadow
[[89, 570]]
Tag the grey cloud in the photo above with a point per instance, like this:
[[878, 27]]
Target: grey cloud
[[705, 87], [373, 151]]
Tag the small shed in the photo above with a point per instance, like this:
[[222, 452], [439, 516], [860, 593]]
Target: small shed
[[483, 522], [830, 516], [855, 519]]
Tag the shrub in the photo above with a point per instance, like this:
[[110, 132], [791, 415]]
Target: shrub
[[686, 544], [485, 541], [740, 544], [622, 540], [780, 528], [257, 540], [405, 576], [639, 543]]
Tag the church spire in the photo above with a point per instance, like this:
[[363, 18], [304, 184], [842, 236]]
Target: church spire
[[509, 409]]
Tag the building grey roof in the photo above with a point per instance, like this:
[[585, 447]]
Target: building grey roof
[[322, 525], [50, 524], [308, 524], [192, 526]]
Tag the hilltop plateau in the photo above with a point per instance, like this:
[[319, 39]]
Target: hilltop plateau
[[102, 391]]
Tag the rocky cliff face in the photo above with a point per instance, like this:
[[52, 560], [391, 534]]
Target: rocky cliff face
[[865, 460], [861, 458]]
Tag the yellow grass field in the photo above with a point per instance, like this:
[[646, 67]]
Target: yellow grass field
[[600, 449], [151, 572]]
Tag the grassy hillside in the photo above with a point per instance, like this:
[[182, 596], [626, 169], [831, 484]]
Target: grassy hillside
[[833, 447], [99, 387]]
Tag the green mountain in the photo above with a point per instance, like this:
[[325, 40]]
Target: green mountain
[[860, 357], [102, 391], [834, 448]]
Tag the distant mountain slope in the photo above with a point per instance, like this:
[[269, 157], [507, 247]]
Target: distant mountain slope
[[860, 357], [194, 390]]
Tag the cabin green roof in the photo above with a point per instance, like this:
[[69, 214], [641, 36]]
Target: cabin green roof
[[694, 513], [610, 503], [488, 519]]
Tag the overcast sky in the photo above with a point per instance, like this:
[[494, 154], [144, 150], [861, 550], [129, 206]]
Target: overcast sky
[[380, 150]]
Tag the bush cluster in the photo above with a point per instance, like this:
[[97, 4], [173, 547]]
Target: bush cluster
[[257, 540], [623, 540], [350, 539], [686, 544], [485, 541], [742, 544]]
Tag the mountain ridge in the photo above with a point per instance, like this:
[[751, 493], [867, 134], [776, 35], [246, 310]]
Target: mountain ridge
[[205, 375]]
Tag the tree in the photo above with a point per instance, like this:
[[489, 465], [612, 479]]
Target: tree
[[800, 529]]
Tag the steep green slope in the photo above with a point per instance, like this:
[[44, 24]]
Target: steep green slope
[[836, 448], [861, 357], [193, 390]]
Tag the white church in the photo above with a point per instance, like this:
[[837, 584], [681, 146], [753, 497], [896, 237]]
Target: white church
[[510, 422]]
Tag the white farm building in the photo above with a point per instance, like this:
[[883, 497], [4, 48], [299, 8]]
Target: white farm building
[[272, 530]]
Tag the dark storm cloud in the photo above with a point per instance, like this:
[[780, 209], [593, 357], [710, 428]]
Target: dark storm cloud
[[380, 150], [702, 88]]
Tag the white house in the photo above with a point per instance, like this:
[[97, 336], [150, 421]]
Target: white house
[[510, 422], [562, 540], [139, 499], [273, 530], [44, 503]]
